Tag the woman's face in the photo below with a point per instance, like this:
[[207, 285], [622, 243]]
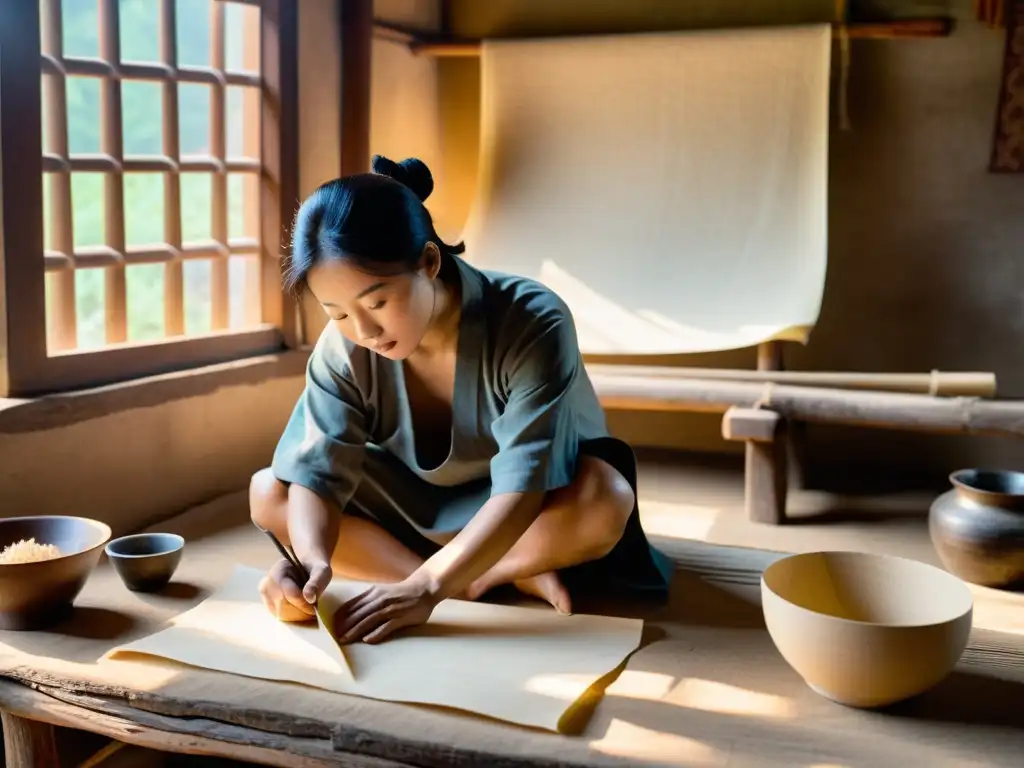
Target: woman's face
[[388, 315]]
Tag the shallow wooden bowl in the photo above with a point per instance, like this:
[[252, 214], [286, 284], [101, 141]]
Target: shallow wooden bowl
[[866, 630], [37, 595]]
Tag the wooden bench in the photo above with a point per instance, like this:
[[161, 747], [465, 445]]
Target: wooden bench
[[770, 416]]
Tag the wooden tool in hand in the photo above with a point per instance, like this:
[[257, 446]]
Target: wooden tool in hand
[[288, 555]]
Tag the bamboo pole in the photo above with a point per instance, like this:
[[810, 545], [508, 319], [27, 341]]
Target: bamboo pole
[[885, 410], [939, 383], [904, 29]]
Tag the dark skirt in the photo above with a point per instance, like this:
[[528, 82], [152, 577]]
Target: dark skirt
[[416, 513]]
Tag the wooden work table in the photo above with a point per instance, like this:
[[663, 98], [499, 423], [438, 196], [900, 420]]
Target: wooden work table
[[706, 688], [30, 714]]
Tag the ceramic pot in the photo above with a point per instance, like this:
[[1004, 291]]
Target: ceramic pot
[[977, 527]]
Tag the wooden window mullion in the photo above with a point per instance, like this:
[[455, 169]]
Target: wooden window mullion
[[251, 149], [219, 289], [23, 304], [174, 285], [279, 127], [61, 321], [115, 300]]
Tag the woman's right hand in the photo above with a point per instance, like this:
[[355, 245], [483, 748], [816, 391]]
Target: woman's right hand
[[286, 597]]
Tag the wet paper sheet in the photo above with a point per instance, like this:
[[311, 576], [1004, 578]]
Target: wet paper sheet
[[671, 187], [518, 664]]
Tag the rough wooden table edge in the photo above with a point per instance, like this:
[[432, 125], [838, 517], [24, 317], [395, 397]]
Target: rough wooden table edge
[[352, 745], [120, 721], [264, 721]]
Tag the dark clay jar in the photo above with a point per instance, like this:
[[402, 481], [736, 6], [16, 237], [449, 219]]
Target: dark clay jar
[[977, 528]]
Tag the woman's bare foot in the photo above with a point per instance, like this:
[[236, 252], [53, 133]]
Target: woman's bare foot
[[546, 586], [549, 588]]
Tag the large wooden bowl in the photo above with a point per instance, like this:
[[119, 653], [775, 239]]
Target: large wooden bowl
[[866, 630], [37, 595]]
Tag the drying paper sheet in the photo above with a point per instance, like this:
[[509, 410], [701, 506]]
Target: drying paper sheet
[[494, 660], [671, 187]]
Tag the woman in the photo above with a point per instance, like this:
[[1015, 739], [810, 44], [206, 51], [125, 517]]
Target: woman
[[448, 440]]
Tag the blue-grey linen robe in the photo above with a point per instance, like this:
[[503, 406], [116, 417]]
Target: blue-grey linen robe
[[523, 412]]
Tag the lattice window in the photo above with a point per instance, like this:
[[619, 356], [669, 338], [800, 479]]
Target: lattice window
[[164, 143]]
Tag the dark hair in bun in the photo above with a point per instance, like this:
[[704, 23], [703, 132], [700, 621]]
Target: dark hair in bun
[[375, 219], [412, 172]]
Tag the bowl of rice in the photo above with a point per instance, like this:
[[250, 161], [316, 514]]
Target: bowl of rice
[[44, 563]]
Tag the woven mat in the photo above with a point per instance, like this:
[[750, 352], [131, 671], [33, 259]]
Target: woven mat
[[707, 687]]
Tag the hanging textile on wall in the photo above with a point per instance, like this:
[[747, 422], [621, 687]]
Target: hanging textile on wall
[[1008, 146]]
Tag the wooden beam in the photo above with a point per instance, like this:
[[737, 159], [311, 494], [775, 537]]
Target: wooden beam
[[356, 22], [23, 345], [884, 410], [279, 132], [905, 29], [446, 17], [769, 356]]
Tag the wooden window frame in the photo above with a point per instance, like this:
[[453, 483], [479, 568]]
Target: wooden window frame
[[27, 366]]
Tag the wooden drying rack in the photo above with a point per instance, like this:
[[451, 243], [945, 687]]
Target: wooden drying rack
[[445, 46], [767, 429]]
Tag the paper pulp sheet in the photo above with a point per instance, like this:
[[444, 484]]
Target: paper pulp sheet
[[671, 187], [498, 661]]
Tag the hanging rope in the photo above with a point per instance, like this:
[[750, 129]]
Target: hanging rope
[[842, 14], [765, 400]]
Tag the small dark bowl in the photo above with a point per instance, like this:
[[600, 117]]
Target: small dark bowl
[[37, 595], [146, 561]]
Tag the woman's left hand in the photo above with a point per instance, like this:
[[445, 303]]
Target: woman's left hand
[[376, 613]]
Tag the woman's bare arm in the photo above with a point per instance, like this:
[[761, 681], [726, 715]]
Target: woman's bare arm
[[492, 532], [313, 531]]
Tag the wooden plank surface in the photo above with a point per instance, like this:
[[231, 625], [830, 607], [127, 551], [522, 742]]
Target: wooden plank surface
[[707, 687], [192, 736], [901, 29]]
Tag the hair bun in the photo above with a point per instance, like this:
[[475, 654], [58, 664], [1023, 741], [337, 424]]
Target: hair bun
[[411, 172]]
